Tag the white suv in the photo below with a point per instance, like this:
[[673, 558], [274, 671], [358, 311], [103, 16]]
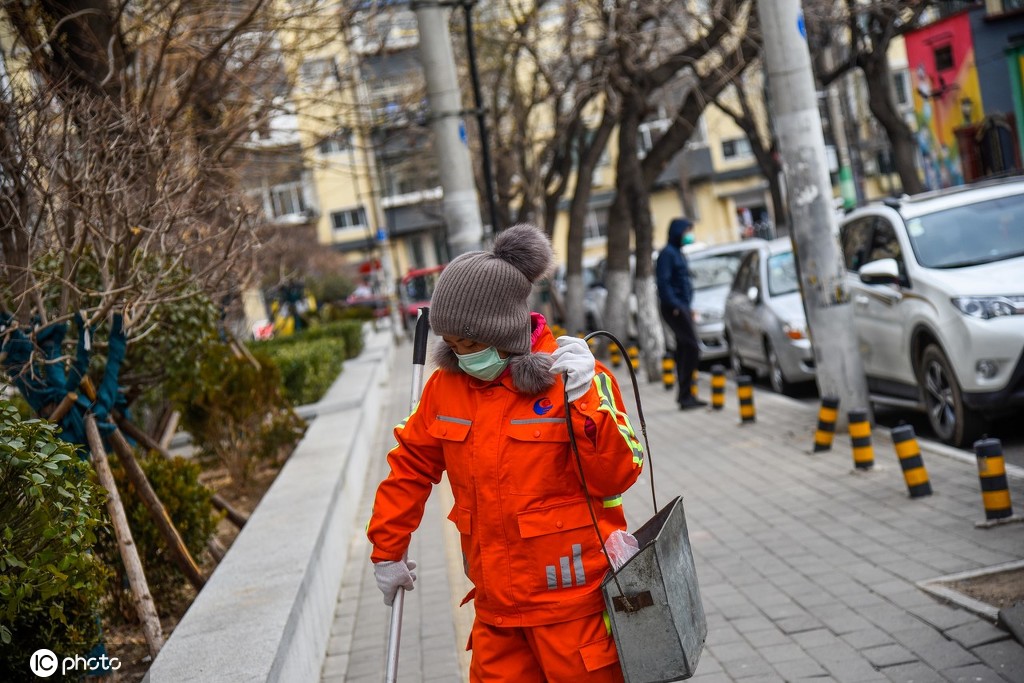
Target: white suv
[[937, 282]]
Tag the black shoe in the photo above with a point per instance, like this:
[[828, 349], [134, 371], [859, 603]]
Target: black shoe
[[691, 402]]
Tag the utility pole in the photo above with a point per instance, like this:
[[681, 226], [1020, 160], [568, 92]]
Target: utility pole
[[840, 371], [461, 207]]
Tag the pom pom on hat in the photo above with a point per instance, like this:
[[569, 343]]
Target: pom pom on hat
[[484, 295]]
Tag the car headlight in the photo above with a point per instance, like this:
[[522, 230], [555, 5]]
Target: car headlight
[[987, 307], [705, 316], [794, 331]]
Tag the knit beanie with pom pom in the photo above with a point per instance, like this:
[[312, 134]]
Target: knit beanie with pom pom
[[484, 295]]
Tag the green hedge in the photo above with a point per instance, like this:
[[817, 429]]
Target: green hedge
[[51, 582], [187, 501], [236, 411], [310, 360]]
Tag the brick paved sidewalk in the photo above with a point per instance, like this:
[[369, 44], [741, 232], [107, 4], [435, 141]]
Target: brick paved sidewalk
[[807, 570]]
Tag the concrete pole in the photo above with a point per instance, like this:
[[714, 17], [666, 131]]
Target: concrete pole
[[461, 206], [840, 371]]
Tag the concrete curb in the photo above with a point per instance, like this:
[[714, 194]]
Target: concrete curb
[[266, 613]]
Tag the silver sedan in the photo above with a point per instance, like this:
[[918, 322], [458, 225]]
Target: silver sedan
[[765, 325]]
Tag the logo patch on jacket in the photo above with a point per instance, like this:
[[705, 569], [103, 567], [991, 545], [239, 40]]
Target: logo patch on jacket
[[542, 406]]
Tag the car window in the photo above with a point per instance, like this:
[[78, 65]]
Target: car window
[[855, 240], [969, 235], [744, 275], [782, 277], [885, 244], [714, 271]]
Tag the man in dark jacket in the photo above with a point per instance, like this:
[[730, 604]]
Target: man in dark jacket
[[675, 294]]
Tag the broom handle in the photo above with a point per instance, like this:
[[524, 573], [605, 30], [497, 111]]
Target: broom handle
[[419, 358]]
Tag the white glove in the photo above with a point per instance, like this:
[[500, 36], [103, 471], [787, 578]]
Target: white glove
[[394, 575], [574, 356]]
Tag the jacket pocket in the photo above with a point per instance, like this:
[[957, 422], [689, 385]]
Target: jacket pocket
[[537, 458], [453, 433], [554, 519], [558, 550], [462, 518]]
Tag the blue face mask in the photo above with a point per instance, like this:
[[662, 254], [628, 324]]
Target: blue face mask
[[688, 238], [485, 365]]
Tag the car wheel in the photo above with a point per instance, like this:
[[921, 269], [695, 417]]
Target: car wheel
[[734, 358], [775, 375], [952, 421]]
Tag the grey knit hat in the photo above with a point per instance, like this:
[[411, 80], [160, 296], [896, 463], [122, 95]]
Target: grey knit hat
[[484, 295]]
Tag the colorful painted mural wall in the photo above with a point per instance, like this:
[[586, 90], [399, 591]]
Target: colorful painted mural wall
[[943, 74]]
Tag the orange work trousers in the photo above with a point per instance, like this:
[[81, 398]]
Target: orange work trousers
[[577, 650]]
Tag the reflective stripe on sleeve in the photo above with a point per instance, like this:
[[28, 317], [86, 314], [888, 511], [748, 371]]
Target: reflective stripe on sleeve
[[604, 390]]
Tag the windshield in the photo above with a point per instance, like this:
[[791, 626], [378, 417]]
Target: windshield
[[782, 274], [969, 235], [421, 287], [714, 271]]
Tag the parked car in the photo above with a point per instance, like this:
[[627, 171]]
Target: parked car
[[415, 290], [591, 279], [937, 282], [765, 326], [712, 270]]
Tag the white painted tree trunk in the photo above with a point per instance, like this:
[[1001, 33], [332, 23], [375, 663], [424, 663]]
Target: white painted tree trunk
[[649, 328]]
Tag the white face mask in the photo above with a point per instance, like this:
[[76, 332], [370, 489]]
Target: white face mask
[[484, 365]]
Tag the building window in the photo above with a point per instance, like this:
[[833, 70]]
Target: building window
[[348, 218], [649, 133], [736, 149], [943, 58], [596, 226], [901, 83], [287, 199], [339, 142], [316, 71]]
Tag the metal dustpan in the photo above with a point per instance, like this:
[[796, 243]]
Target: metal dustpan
[[656, 613], [653, 601]]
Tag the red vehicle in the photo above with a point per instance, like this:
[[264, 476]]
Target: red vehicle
[[416, 289]]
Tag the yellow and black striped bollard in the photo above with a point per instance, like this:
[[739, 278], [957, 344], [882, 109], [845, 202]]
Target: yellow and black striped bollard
[[668, 372], [616, 355], [717, 387], [826, 430], [745, 393], [634, 357], [995, 491], [909, 453], [694, 389], [860, 439]]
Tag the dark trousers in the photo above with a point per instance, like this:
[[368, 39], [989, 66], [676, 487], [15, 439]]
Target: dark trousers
[[687, 351]]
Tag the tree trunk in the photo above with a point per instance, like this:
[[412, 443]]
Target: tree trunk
[[618, 279], [144, 604], [901, 138], [590, 150], [157, 511], [234, 516]]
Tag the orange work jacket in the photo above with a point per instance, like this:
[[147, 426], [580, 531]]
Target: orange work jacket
[[528, 540]]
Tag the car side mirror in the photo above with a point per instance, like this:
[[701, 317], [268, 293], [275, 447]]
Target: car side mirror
[[881, 272], [752, 294]]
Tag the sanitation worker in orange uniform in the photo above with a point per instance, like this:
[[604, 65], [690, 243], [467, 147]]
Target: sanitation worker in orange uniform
[[493, 417]]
